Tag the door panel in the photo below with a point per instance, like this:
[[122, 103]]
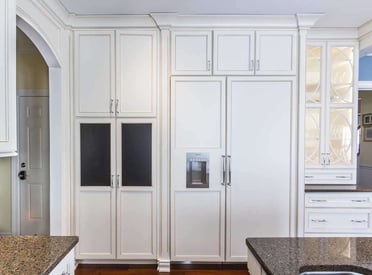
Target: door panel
[[34, 163], [198, 126], [259, 138]]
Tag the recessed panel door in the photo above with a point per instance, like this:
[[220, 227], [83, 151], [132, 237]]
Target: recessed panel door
[[259, 138], [33, 165], [197, 143]]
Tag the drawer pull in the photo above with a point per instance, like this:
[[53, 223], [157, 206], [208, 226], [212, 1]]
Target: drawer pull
[[342, 177], [323, 220], [318, 200], [359, 221], [309, 177], [359, 200]]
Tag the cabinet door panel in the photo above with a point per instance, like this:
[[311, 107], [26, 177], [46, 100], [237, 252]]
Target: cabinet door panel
[[191, 53], [8, 123], [342, 71], [95, 72], [312, 136], [198, 126], [136, 73], [276, 53], [315, 68], [136, 224], [96, 220], [233, 53], [251, 154]]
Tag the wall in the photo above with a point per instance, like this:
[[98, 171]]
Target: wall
[[32, 73], [365, 158], [5, 195], [365, 68]]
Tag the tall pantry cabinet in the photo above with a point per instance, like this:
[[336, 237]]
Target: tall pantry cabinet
[[232, 119], [116, 143]]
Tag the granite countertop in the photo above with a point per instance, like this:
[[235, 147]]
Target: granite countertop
[[337, 188], [33, 255], [290, 256]]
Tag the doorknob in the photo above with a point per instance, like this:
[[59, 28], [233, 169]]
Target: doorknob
[[22, 175]]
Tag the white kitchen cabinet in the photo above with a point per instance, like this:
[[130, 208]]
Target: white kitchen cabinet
[[116, 78], [115, 192], [254, 267], [94, 73], [252, 53], [237, 169], [66, 266], [338, 214], [191, 53], [331, 113], [8, 124], [233, 52], [136, 74]]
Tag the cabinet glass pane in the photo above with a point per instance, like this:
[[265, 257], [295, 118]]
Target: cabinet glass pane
[[312, 136], [95, 154], [342, 59], [340, 136], [313, 74], [136, 154]]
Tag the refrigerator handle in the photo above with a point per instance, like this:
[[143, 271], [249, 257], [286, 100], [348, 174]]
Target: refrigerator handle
[[229, 170], [223, 170]]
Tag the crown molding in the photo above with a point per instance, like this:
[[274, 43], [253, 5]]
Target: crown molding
[[365, 85], [110, 21], [333, 33], [306, 21]]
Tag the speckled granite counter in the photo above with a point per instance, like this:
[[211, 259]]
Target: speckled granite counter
[[337, 188], [290, 256], [33, 255]]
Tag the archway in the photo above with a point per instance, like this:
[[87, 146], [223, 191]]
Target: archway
[[55, 132]]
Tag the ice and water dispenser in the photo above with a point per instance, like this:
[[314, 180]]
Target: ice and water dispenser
[[197, 170]]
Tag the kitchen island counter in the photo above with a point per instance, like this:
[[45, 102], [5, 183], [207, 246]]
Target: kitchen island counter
[[279, 256], [33, 254]]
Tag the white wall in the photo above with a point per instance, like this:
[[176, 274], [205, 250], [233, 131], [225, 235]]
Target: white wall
[[5, 195]]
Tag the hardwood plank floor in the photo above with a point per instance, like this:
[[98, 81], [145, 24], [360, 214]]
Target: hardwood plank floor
[[223, 269]]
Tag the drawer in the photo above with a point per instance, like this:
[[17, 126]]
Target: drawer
[[337, 220], [330, 176], [339, 199]]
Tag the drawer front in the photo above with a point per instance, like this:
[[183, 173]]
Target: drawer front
[[339, 199], [338, 220]]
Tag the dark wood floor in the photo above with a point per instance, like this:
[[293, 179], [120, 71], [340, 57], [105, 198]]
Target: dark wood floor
[[223, 269]]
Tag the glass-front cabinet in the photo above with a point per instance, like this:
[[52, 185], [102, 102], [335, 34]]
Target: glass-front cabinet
[[330, 113]]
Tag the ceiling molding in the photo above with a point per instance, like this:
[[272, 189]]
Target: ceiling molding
[[333, 33], [306, 21], [111, 21]]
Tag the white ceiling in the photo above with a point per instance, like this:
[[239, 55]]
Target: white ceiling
[[338, 13]]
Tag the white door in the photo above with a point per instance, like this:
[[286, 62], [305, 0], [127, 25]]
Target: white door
[[198, 126], [33, 113], [259, 142]]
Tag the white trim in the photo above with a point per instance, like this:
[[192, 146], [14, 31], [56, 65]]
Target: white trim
[[163, 265], [8, 154], [16, 229], [165, 20], [343, 34], [365, 85], [110, 21]]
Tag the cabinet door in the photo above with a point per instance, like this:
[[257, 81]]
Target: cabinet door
[[233, 53], [191, 53], [8, 124], [341, 122], [254, 144], [276, 53], [197, 126], [136, 73], [95, 196], [95, 73], [136, 197]]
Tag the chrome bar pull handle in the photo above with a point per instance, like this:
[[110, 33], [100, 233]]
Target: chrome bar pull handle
[[208, 65], [111, 106], [117, 106], [223, 170], [359, 221], [319, 220], [229, 170], [359, 200], [118, 181], [258, 65], [112, 181], [251, 65]]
